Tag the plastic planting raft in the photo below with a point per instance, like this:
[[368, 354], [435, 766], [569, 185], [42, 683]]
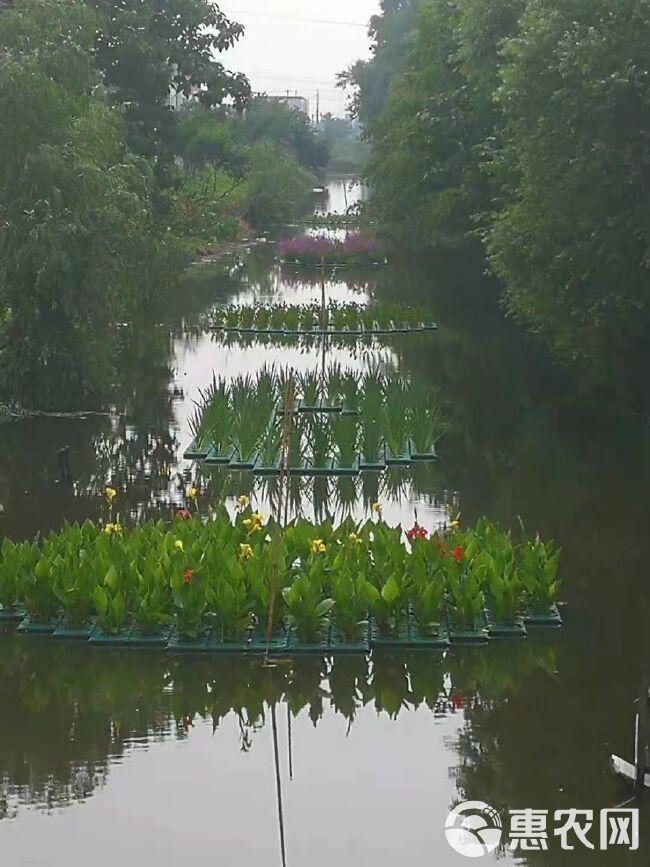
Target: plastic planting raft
[[374, 330], [371, 636]]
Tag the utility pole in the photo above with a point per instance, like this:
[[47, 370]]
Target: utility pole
[[317, 107]]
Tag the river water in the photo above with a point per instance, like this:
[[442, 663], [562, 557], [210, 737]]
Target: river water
[[133, 757]]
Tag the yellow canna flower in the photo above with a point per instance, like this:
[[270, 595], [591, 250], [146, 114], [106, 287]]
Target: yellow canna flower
[[376, 508], [179, 544], [108, 529], [245, 552], [317, 546], [356, 540], [192, 493], [113, 529], [242, 502], [109, 495], [454, 525]]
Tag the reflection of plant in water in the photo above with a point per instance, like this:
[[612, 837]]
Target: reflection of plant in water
[[305, 689], [348, 684], [389, 685], [92, 708]]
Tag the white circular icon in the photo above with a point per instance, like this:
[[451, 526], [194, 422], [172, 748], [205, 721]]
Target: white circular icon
[[474, 829]]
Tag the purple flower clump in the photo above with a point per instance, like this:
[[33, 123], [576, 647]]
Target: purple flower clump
[[355, 249]]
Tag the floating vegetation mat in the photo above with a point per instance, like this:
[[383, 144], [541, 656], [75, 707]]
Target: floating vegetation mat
[[204, 584], [342, 423], [354, 250], [337, 320]]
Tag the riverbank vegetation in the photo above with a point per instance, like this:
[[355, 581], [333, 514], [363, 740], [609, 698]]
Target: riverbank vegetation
[[106, 191], [516, 128]]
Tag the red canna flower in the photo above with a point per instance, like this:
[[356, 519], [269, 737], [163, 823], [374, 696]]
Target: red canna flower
[[457, 702], [187, 723], [187, 576], [183, 514], [457, 553], [416, 532]]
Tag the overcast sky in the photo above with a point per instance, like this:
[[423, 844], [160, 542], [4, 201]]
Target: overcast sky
[[290, 45]]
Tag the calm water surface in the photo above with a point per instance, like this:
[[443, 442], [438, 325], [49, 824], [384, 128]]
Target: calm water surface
[[110, 756]]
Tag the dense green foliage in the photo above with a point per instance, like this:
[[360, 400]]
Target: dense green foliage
[[221, 575], [517, 127], [146, 48], [105, 190], [257, 164], [77, 235]]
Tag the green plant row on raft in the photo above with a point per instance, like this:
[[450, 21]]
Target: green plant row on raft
[[309, 319], [370, 419], [212, 580]]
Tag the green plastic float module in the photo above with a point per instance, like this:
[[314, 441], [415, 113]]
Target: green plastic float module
[[274, 469], [374, 330], [107, 639], [195, 453], [321, 645], [504, 630], [361, 644], [215, 458], [395, 639], [376, 463], [179, 643], [66, 631], [398, 459], [160, 638], [216, 643], [421, 456], [247, 463], [12, 615], [548, 619], [435, 637], [276, 644], [32, 626]]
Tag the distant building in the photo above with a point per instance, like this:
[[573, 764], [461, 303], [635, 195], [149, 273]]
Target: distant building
[[177, 100], [297, 103]]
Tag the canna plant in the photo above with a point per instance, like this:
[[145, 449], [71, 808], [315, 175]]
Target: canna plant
[[110, 602], [350, 589], [504, 586], [427, 586], [389, 575], [229, 595], [306, 605], [17, 563], [153, 608], [539, 564], [465, 575], [73, 573]]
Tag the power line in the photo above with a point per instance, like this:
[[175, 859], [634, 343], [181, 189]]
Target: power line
[[298, 18]]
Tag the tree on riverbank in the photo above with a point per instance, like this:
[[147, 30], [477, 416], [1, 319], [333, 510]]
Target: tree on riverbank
[[77, 239], [519, 127], [97, 211]]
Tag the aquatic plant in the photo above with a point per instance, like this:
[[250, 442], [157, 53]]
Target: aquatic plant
[[305, 318], [539, 564], [219, 572], [355, 250]]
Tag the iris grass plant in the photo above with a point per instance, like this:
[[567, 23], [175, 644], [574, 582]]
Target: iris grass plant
[[379, 408]]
